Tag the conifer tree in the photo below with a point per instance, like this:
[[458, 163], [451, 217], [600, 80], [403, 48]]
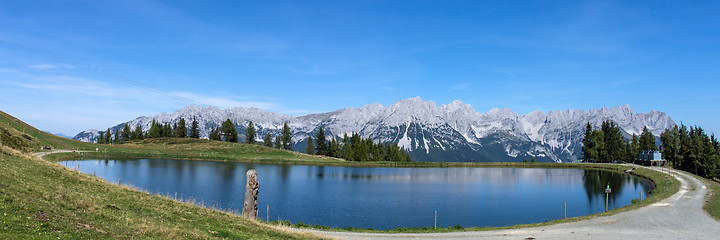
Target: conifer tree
[[101, 137], [250, 133], [117, 137], [635, 145], [612, 141], [194, 129], [181, 129], [155, 130], [278, 143], [167, 130], [267, 140], [647, 140], [310, 149], [590, 145], [334, 147], [108, 136], [215, 134], [345, 151], [321, 146], [670, 144], [125, 134], [629, 151], [137, 134], [286, 137], [229, 131]]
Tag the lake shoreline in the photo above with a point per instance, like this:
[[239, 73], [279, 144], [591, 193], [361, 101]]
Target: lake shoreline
[[618, 168]]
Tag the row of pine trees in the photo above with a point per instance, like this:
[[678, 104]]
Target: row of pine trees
[[689, 149], [352, 148], [228, 132], [355, 148], [157, 130], [607, 144], [692, 150]]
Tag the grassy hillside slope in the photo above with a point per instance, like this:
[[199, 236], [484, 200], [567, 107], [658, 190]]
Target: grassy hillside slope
[[41, 199], [11, 127]]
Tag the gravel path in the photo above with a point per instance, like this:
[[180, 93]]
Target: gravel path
[[678, 217], [42, 154]]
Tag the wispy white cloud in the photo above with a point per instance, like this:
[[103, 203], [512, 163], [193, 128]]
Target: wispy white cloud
[[79, 87], [227, 102], [70, 104], [46, 66], [386, 88]]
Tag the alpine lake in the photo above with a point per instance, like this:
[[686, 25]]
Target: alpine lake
[[381, 198]]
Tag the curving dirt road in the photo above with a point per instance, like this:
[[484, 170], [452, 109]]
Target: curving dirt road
[[678, 217], [42, 154]]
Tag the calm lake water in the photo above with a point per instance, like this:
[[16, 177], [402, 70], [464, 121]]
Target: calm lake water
[[381, 198]]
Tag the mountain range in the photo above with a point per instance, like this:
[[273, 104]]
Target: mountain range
[[451, 132]]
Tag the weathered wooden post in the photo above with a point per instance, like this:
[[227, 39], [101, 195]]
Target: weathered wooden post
[[252, 188]]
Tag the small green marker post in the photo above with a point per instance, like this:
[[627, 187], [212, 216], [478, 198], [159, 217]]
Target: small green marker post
[[607, 196]]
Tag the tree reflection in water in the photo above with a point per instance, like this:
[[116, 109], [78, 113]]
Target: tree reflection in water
[[596, 182]]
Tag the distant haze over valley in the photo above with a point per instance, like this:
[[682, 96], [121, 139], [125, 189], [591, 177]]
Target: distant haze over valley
[[450, 132]]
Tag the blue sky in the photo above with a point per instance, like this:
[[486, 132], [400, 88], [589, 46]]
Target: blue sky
[[67, 66]]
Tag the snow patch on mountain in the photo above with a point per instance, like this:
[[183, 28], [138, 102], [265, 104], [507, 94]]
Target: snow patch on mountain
[[451, 132]]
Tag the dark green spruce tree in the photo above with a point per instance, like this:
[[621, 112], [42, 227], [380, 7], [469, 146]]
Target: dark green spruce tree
[[229, 131], [194, 129], [310, 149], [590, 151], [286, 137], [138, 133], [321, 147], [125, 134], [101, 138], [167, 130], [155, 130], [215, 134], [117, 136], [278, 143], [647, 140], [670, 145], [613, 142], [108, 136], [181, 129], [268, 140], [250, 134]]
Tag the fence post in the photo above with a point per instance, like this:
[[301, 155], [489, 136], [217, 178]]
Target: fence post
[[565, 209], [435, 226]]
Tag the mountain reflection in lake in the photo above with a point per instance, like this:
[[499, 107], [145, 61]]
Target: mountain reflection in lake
[[381, 198]]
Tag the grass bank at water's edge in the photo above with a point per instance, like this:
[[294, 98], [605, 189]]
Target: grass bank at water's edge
[[40, 199], [193, 149], [43, 200]]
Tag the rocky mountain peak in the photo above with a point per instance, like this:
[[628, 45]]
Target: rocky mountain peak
[[451, 132]]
